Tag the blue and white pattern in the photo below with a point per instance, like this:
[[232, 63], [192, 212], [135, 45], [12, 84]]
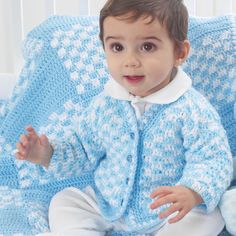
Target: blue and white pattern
[[184, 155], [234, 91], [64, 69], [212, 64]]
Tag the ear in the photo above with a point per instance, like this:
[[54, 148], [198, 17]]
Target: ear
[[182, 53]]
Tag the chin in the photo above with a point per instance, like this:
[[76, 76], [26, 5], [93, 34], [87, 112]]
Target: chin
[[138, 94]]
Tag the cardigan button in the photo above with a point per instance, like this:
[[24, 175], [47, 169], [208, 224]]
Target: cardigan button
[[129, 158], [132, 135]]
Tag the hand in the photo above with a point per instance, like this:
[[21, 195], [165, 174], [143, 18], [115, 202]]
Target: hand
[[182, 200], [34, 148]]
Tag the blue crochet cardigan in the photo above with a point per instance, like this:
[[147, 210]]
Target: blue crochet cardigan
[[64, 69], [181, 143]]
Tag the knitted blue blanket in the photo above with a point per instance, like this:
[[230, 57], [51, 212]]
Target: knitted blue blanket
[[64, 69]]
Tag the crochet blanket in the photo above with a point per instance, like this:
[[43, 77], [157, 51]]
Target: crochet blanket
[[64, 69]]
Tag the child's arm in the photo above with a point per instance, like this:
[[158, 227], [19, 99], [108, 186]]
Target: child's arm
[[182, 200], [79, 150], [208, 168], [34, 148]]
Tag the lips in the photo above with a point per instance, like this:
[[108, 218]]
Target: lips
[[134, 78]]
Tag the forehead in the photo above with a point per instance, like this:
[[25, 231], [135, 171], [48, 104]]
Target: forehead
[[143, 26]]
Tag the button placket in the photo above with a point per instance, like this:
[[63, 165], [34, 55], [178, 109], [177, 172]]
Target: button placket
[[129, 158], [132, 135]]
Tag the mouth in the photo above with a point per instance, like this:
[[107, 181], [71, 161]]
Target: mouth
[[134, 78]]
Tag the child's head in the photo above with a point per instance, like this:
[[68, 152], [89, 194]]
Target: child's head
[[171, 13], [144, 41]]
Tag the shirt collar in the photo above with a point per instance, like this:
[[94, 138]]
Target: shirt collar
[[170, 93]]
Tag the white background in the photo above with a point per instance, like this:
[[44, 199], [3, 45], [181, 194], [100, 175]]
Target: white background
[[18, 17]]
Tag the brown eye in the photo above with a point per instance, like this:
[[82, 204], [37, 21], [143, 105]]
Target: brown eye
[[117, 47], [148, 47]]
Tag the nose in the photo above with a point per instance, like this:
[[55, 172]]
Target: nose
[[132, 60]]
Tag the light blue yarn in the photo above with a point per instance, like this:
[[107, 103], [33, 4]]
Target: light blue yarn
[[56, 83]]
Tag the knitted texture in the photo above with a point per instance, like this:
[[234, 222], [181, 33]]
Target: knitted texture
[[212, 66], [234, 89], [3, 109], [168, 146], [64, 69]]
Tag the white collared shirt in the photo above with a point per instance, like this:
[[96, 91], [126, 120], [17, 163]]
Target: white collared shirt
[[170, 93]]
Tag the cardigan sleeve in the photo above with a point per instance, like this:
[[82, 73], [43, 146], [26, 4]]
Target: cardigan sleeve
[[208, 169], [82, 150]]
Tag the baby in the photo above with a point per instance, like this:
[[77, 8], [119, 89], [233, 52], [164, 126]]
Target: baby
[[160, 154]]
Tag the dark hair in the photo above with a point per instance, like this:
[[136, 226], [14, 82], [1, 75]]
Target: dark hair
[[171, 13]]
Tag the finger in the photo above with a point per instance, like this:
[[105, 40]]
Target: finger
[[20, 148], [162, 195], [44, 140], [162, 190], [15, 151], [24, 140], [28, 127], [19, 156], [30, 130], [178, 217], [170, 210], [163, 201]]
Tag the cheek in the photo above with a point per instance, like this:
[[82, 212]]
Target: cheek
[[157, 72], [154, 67], [160, 65], [113, 65]]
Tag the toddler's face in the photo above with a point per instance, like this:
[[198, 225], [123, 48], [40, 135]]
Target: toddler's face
[[140, 55]]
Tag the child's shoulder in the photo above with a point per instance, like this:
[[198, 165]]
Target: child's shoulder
[[195, 102], [102, 101]]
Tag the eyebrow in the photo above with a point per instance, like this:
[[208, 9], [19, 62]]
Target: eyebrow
[[113, 37], [152, 38], [143, 38]]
